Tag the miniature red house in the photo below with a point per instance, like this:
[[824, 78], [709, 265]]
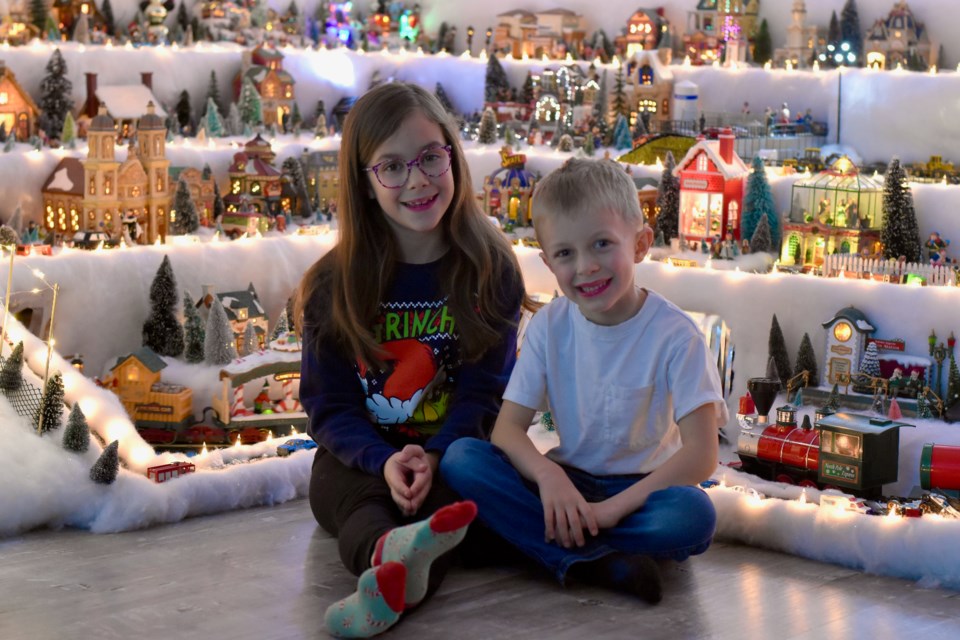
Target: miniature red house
[[712, 180]]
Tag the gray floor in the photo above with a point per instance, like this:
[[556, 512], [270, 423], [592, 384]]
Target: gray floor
[[269, 573]]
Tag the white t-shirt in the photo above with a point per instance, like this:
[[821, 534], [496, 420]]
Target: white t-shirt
[[615, 393]]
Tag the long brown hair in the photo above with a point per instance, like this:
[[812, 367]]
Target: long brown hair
[[478, 268]]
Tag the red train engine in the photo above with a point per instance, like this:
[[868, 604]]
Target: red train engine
[[855, 453]]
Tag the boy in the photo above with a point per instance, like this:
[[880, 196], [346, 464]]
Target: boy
[[633, 392]]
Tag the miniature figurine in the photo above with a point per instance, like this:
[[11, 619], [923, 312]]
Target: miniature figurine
[[937, 248], [729, 248]]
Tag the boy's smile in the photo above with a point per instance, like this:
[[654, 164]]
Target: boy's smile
[[592, 255]]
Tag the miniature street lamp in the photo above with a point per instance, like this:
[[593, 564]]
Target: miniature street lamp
[[470, 33], [489, 35], [939, 354]]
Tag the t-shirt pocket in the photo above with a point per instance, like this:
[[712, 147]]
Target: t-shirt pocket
[[632, 417]]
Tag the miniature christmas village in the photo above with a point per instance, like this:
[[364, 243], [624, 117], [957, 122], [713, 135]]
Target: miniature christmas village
[[789, 213]]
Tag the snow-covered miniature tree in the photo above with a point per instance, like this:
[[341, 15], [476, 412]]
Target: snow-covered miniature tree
[[589, 146], [833, 37], [218, 206], [441, 94], [76, 435], [668, 201], [639, 128], [758, 203], [38, 14], [495, 83], [193, 333], [621, 134], [760, 240], [106, 10], [777, 351], [619, 105], [526, 91], [806, 361], [763, 44], [219, 346], [282, 326], [488, 127], [8, 236], [69, 132], [234, 123], [186, 219], [55, 95], [953, 383], [296, 120], [878, 405], [833, 400], [107, 466], [250, 342], [213, 88], [565, 143], [320, 128], [249, 104], [81, 30], [11, 374], [870, 363], [212, 121], [49, 415], [899, 234], [184, 113], [293, 170], [851, 34], [161, 330]]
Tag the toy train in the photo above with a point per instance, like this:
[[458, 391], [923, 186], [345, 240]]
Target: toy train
[[854, 453]]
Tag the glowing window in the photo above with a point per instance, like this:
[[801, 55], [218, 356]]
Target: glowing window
[[842, 331]]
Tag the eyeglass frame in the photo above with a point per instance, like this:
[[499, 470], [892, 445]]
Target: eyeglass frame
[[410, 164]]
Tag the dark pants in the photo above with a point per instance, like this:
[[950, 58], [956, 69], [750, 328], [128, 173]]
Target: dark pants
[[356, 508]]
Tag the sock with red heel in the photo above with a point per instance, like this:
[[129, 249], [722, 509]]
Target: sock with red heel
[[417, 545], [374, 607]]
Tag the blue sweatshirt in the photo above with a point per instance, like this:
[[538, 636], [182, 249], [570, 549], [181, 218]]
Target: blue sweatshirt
[[425, 395]]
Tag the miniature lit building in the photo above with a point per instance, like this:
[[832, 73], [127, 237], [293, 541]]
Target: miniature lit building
[[507, 191], [322, 173], [899, 39], [98, 193], [650, 85], [839, 210], [551, 33], [847, 332], [264, 68], [135, 378], [802, 42], [712, 178], [16, 28], [18, 111], [200, 184], [66, 13], [737, 24], [242, 307], [645, 31], [253, 176], [124, 104]]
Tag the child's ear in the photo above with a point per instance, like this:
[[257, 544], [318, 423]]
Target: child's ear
[[543, 257], [644, 241]]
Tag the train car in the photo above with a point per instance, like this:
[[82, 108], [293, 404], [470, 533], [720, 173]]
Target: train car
[[164, 472], [855, 453], [940, 467]]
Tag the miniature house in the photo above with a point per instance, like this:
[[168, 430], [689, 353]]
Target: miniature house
[[254, 179], [136, 379], [322, 173], [123, 103], [899, 40], [507, 191], [99, 193], [847, 332], [264, 68], [551, 33], [712, 179], [714, 25], [242, 307], [18, 111], [650, 87], [201, 187], [645, 31], [839, 210]]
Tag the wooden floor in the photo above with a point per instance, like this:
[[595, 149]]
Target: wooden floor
[[270, 573]]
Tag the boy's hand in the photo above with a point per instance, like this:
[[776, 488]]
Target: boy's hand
[[608, 513], [565, 511], [409, 474]]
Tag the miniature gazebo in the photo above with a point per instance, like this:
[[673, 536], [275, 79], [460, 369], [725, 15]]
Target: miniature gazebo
[[839, 210], [507, 191]]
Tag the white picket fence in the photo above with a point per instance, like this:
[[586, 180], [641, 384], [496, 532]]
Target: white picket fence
[[886, 270]]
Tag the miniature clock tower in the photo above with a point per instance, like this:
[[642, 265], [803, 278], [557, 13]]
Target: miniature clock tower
[[100, 172], [151, 137], [846, 337]]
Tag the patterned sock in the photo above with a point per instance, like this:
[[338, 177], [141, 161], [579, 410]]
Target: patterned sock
[[417, 545], [374, 607], [633, 574]]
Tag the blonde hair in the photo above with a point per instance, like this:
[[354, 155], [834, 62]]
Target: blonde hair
[[479, 267], [580, 185]]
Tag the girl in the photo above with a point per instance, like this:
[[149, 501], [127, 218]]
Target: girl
[[409, 328]]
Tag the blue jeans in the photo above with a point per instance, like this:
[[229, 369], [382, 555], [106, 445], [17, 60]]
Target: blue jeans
[[674, 523]]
